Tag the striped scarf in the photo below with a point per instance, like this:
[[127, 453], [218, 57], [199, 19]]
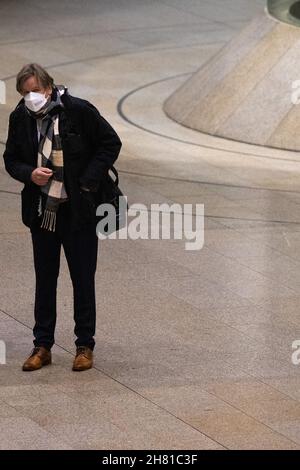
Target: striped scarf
[[50, 155]]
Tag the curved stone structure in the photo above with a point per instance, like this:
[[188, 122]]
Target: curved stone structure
[[285, 10], [247, 92]]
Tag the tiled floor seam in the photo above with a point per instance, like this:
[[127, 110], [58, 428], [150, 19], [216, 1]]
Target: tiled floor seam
[[170, 413], [193, 13], [276, 250], [134, 51], [127, 387], [95, 33]]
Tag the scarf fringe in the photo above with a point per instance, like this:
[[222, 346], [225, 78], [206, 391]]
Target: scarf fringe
[[40, 206], [49, 220]]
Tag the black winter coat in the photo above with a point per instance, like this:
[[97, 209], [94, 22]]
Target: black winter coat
[[90, 147]]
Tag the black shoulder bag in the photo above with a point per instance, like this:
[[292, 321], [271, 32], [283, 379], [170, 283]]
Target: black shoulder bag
[[109, 193]]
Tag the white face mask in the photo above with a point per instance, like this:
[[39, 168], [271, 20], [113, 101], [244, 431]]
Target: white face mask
[[35, 101]]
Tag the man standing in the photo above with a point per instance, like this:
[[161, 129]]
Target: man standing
[[61, 148]]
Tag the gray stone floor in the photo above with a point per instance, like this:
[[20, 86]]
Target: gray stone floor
[[193, 348]]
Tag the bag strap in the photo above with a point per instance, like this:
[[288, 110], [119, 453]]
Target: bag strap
[[112, 168]]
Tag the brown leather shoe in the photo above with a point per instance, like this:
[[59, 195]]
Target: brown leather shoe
[[83, 359], [39, 357]]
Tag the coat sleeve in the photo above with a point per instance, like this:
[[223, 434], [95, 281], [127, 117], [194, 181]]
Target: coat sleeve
[[106, 146], [17, 169]]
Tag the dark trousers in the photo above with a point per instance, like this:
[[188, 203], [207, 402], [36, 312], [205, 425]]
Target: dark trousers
[[80, 249]]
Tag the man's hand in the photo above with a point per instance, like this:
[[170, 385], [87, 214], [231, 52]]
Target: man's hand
[[41, 175]]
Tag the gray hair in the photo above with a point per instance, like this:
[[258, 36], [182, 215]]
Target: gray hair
[[33, 70]]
